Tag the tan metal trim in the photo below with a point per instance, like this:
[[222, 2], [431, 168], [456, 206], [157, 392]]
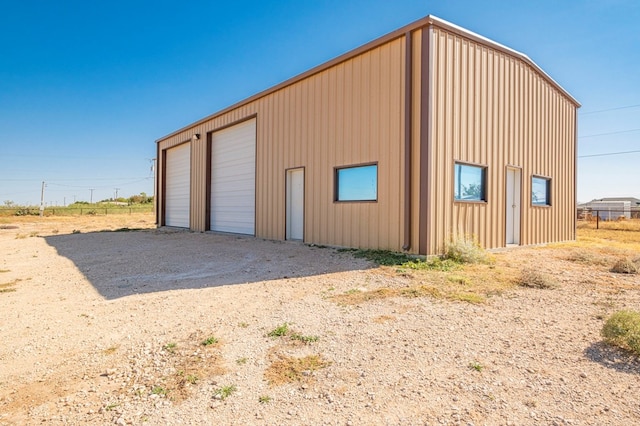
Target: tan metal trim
[[157, 180], [207, 184], [163, 207], [408, 114], [425, 140]]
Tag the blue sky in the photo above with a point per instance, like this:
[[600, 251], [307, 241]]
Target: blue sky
[[87, 87]]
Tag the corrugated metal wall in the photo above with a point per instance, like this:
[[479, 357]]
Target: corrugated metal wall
[[348, 114], [494, 109]]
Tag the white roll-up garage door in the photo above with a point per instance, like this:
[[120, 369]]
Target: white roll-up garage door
[[178, 186], [233, 179]]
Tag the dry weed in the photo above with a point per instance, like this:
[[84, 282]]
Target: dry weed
[[624, 266], [287, 369], [532, 278]]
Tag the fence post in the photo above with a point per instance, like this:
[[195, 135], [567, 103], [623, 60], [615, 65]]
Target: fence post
[[597, 219]]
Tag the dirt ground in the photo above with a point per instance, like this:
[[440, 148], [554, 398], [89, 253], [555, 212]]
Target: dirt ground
[[163, 327]]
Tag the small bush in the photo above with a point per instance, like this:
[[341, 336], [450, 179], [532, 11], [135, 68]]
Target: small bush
[[533, 278], [279, 331], [209, 341], [625, 266], [622, 329], [465, 249]]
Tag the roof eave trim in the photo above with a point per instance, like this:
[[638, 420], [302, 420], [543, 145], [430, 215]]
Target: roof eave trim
[[400, 32]]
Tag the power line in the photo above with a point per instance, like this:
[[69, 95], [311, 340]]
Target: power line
[[609, 109], [609, 133], [74, 179], [609, 153]]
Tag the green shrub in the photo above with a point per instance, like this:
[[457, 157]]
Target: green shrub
[[465, 249], [622, 329]]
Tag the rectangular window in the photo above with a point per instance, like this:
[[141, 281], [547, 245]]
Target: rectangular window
[[470, 183], [540, 191], [359, 183]]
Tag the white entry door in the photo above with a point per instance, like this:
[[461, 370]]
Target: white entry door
[[295, 204], [514, 184]]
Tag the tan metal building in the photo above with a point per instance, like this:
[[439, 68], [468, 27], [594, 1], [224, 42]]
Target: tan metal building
[[425, 133]]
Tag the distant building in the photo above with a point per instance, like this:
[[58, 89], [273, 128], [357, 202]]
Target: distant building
[[611, 208]]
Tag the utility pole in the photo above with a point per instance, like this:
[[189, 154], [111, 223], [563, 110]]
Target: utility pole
[[117, 189], [42, 200], [91, 200]]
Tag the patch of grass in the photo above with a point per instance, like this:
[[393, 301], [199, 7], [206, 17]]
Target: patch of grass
[[381, 319], [476, 366], [622, 329], [4, 270], [33, 234], [587, 257], [21, 236], [459, 279], [170, 347], [279, 331], [532, 278], [284, 330], [159, 390], [76, 231], [243, 324], [192, 379], [209, 341], [9, 287], [241, 361], [224, 392], [127, 229], [111, 350], [380, 257], [111, 406], [264, 399], [302, 338], [624, 266], [465, 249], [288, 369]]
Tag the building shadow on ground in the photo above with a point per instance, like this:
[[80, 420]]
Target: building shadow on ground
[[119, 264], [613, 357]]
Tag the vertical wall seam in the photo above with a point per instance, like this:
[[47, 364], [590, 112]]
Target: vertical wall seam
[[425, 139], [408, 114]]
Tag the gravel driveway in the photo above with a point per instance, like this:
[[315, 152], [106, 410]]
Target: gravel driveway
[[114, 328]]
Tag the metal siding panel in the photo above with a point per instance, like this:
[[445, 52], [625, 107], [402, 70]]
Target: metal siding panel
[[501, 113]]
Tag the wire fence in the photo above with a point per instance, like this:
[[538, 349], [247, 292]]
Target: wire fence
[[76, 211], [627, 219]]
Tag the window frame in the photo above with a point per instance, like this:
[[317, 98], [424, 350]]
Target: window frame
[[336, 182], [485, 190], [547, 180]]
